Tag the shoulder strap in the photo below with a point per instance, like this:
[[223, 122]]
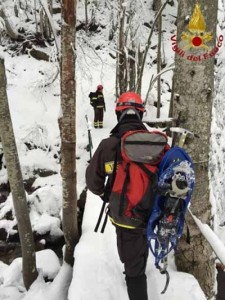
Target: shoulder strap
[[147, 171]]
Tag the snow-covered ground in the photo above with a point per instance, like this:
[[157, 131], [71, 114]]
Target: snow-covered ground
[[35, 104]]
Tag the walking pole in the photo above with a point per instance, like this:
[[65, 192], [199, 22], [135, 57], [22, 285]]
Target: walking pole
[[90, 144]]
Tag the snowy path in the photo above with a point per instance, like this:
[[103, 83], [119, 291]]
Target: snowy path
[[98, 272]]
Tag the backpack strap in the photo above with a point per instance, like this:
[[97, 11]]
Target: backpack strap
[[145, 143], [150, 174], [115, 165], [153, 176]]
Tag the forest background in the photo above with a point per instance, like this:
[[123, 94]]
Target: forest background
[[34, 97]]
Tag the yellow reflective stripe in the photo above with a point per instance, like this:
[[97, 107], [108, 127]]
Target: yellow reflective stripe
[[121, 225], [109, 167]]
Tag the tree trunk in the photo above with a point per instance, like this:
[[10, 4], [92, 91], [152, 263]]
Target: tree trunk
[[193, 87], [86, 15], [132, 69], [16, 185], [156, 5], [67, 123], [159, 60], [121, 44]]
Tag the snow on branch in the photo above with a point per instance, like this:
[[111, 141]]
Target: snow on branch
[[7, 25], [153, 79], [46, 9], [216, 244]]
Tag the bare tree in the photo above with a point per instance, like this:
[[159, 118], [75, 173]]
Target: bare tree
[[131, 59], [148, 44], [129, 55], [67, 124], [16, 185], [193, 90]]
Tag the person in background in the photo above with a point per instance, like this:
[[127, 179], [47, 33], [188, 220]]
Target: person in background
[[97, 101]]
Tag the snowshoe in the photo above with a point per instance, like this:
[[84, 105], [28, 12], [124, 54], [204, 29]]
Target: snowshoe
[[175, 186]]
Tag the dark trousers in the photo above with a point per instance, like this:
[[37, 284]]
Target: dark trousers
[[98, 117], [133, 252]]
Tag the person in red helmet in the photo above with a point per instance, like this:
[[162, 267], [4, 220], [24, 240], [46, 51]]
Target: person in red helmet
[[98, 103], [131, 243]]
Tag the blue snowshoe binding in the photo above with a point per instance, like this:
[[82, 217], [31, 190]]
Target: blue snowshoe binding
[[166, 222]]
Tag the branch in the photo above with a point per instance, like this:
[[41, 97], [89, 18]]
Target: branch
[[46, 9], [149, 43], [10, 31], [153, 79]]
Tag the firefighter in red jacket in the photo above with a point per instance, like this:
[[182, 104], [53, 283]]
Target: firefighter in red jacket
[[131, 243], [98, 103]]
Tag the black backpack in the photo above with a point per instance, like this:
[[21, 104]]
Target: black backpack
[[91, 96]]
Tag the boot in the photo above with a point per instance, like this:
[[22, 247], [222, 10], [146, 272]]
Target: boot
[[137, 287]]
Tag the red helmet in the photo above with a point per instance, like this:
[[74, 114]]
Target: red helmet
[[130, 100], [100, 87]]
